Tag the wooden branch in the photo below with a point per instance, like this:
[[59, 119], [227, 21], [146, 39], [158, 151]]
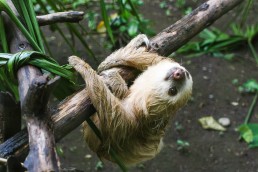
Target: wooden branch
[[31, 88], [42, 155], [60, 17], [77, 107]]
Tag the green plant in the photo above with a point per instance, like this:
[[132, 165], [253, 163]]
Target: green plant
[[249, 131], [169, 7], [180, 3], [182, 145], [120, 29], [10, 63], [99, 165], [218, 43]]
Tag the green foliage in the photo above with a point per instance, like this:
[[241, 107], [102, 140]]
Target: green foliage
[[217, 43], [212, 42], [106, 20], [99, 165], [120, 29], [4, 7], [3, 35], [251, 86], [180, 3], [12, 62], [127, 23], [60, 151], [249, 132], [182, 145], [246, 10], [170, 6]]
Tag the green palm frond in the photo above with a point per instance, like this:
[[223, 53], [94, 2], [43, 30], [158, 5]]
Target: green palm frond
[[12, 62]]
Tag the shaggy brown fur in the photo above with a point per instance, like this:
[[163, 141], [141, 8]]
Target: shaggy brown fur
[[133, 120]]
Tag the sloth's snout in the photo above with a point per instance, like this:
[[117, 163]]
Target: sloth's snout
[[178, 74]]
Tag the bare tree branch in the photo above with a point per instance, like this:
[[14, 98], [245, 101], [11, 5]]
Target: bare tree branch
[[42, 155], [60, 17]]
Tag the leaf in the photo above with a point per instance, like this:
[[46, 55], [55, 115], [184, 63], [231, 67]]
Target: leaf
[[3, 38], [134, 12], [163, 4], [249, 132], [133, 28], [12, 62], [4, 6], [210, 123], [251, 85], [106, 20]]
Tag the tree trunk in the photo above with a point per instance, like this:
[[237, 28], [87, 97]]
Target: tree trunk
[[34, 91]]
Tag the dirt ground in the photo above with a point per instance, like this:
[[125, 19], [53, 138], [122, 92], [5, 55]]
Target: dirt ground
[[214, 94]]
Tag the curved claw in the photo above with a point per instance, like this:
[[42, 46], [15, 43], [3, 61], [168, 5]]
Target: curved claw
[[139, 41]]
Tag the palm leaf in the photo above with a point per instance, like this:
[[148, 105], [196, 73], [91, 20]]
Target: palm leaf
[[106, 21], [3, 35], [12, 62], [4, 7]]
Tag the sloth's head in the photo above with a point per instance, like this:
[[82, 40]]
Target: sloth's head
[[169, 82]]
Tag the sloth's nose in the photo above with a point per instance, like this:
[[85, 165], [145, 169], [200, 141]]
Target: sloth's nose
[[178, 74]]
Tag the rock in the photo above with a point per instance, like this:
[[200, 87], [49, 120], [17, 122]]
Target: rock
[[235, 103], [225, 122], [88, 156]]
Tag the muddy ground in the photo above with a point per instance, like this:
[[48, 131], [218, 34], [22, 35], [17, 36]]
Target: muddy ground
[[213, 95]]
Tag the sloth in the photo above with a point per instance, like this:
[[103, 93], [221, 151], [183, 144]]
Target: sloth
[[132, 121]]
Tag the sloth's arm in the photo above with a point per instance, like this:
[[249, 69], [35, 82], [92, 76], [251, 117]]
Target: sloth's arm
[[135, 55], [115, 83], [111, 112]]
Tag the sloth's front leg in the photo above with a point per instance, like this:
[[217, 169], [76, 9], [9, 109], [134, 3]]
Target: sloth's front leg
[[140, 40], [135, 55]]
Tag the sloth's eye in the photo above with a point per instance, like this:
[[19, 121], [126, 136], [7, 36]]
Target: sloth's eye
[[172, 91]]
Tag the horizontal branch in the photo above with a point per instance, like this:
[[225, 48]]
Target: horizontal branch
[[60, 17], [77, 107]]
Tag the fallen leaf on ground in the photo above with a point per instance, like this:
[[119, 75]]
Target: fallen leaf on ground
[[209, 122]]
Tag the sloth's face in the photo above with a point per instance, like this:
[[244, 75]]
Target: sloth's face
[[167, 81]]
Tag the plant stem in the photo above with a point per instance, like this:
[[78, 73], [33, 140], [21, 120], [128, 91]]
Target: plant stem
[[245, 12], [253, 50], [3, 35], [250, 111]]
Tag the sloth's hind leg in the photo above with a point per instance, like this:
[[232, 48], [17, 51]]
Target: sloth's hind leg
[[112, 114]]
